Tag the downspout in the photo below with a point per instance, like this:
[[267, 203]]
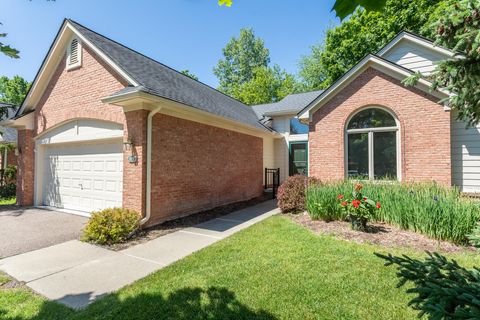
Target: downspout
[[148, 196]]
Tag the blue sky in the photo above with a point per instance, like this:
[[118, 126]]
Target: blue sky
[[184, 34]]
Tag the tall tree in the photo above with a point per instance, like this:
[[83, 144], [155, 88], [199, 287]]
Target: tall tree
[[364, 32], [241, 56], [267, 85], [13, 90], [244, 72]]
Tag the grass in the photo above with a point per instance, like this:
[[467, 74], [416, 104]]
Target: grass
[[273, 270], [438, 212], [8, 201]]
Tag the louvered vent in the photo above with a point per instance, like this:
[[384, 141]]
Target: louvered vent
[[73, 59], [74, 54]]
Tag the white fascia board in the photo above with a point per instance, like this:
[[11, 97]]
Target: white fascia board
[[53, 58], [25, 122], [417, 40], [377, 63]]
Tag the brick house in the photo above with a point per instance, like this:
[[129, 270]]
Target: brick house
[[8, 136], [106, 126]]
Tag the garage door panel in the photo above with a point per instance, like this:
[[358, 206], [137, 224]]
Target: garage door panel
[[83, 177]]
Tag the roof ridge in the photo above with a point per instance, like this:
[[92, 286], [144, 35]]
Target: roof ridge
[[152, 59]]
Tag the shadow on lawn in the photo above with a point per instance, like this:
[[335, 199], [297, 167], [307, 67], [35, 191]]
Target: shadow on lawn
[[186, 303]]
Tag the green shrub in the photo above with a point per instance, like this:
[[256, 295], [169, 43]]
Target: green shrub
[[8, 191], [428, 208], [291, 194], [474, 236], [111, 226]]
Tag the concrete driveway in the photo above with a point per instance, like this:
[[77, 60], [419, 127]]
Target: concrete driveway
[[27, 229]]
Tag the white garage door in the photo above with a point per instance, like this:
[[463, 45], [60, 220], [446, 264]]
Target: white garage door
[[84, 177]]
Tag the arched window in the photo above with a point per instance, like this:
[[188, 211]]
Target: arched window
[[372, 141]]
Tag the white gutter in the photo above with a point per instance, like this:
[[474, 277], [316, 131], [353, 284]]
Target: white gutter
[[149, 166]]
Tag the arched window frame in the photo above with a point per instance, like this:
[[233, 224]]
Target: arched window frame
[[370, 132]]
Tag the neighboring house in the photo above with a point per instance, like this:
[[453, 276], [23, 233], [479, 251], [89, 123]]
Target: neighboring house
[[105, 126], [8, 136]]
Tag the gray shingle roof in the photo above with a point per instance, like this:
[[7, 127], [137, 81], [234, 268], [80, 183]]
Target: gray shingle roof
[[292, 103], [158, 79], [8, 134]]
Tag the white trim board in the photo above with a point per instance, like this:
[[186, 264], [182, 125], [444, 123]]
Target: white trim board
[[407, 36]]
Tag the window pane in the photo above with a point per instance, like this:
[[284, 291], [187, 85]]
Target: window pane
[[358, 155], [296, 127], [371, 118], [298, 158], [385, 155]]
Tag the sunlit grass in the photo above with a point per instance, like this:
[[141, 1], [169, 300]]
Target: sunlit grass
[[273, 270]]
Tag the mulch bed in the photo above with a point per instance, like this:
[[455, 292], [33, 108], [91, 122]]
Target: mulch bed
[[379, 234], [181, 223]]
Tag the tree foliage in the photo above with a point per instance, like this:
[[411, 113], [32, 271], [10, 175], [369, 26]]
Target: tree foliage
[[267, 85], [6, 49], [443, 289], [342, 8], [363, 33], [241, 56], [189, 74], [459, 29], [13, 90], [245, 72]]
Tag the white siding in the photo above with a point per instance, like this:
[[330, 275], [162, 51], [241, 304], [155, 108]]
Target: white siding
[[465, 156], [414, 57], [268, 153]]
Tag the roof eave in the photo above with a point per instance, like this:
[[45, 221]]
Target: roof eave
[[144, 100]]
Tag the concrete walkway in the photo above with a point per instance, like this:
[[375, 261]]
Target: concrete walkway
[[76, 273]]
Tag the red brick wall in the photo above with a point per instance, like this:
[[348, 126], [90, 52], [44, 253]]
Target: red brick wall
[[77, 93], [25, 171], [424, 128], [197, 167], [69, 95], [134, 174]]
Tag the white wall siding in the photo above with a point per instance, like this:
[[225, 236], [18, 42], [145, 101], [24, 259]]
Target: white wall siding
[[414, 57], [268, 153], [465, 156]]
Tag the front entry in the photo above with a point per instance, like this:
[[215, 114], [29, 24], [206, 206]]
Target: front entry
[[298, 158]]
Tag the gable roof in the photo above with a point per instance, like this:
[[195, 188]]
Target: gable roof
[[417, 39], [146, 75], [380, 63], [158, 79], [8, 134], [291, 104]]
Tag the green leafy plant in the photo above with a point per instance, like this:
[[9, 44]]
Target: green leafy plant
[[428, 208], [291, 194], [358, 208], [8, 191], [474, 237], [443, 289], [110, 226]]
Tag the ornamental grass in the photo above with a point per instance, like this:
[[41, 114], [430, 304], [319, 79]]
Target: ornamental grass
[[428, 208]]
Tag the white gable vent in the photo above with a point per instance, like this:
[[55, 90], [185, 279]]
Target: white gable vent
[[74, 54]]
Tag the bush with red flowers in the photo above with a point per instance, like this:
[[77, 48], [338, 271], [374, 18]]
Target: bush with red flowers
[[291, 194], [358, 209]]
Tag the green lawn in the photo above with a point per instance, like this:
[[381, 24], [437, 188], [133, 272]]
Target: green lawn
[[8, 201], [273, 270]]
